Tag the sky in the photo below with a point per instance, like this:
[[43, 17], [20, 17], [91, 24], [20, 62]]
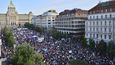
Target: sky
[[40, 6]]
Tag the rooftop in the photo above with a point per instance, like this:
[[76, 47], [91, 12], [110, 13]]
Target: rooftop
[[103, 7]]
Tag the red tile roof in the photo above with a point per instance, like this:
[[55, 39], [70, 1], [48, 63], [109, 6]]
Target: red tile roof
[[103, 7]]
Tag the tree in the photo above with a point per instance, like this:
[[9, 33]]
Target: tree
[[26, 25], [84, 42], [64, 35], [102, 47], [55, 34], [32, 27], [39, 29], [11, 41], [91, 44], [8, 36], [78, 62], [29, 26], [5, 31], [25, 55], [111, 49]]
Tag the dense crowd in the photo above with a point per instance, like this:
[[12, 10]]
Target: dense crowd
[[58, 52]]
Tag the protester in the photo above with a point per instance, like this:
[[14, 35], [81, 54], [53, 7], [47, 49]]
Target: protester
[[58, 52]]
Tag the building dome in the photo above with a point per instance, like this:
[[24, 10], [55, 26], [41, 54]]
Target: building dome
[[11, 5]]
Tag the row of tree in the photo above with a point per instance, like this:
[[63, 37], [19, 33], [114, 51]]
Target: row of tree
[[32, 27], [102, 47], [53, 31], [106, 48], [57, 35], [8, 37]]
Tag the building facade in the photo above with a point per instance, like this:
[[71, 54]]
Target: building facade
[[12, 18], [46, 20], [101, 22], [71, 22]]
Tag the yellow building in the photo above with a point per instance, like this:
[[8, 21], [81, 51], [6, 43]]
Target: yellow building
[[12, 18]]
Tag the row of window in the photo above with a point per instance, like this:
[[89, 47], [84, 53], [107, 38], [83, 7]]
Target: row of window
[[10, 23], [42, 18], [13, 23], [82, 26], [101, 11], [97, 29], [51, 17], [81, 29], [72, 22], [66, 15], [96, 23], [73, 18], [102, 36], [51, 20], [100, 17]]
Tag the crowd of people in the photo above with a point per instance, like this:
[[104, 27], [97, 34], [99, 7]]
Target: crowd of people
[[58, 52]]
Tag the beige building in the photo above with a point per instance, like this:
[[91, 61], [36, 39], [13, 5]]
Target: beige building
[[71, 22], [12, 18]]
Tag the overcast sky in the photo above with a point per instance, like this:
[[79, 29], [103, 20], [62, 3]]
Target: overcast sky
[[40, 6]]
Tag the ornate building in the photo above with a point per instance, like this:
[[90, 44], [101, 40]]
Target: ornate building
[[101, 22], [12, 18]]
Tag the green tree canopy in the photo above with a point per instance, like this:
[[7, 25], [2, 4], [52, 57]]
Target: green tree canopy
[[8, 36], [32, 27], [57, 35], [102, 47], [25, 55], [111, 49], [39, 29], [84, 42], [91, 43], [29, 26]]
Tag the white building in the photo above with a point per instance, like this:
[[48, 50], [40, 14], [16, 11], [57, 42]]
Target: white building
[[71, 22], [46, 20], [101, 22]]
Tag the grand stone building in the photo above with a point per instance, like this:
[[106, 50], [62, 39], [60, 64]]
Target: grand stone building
[[101, 22], [12, 18]]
